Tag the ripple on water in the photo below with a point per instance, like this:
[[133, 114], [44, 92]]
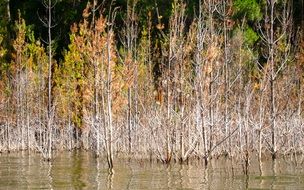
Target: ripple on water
[[81, 170]]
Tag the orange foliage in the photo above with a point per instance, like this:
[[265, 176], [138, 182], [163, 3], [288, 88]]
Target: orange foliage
[[87, 65]]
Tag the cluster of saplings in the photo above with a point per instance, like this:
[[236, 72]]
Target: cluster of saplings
[[199, 90]]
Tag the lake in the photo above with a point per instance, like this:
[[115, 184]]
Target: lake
[[80, 170]]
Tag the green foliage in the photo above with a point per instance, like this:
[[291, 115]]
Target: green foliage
[[4, 17], [31, 50], [249, 9], [68, 77], [2, 49], [243, 41], [250, 36]]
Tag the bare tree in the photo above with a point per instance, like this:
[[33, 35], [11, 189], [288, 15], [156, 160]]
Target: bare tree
[[109, 79], [48, 23], [272, 36], [129, 39]]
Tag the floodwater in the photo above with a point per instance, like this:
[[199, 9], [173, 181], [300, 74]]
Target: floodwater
[[80, 170]]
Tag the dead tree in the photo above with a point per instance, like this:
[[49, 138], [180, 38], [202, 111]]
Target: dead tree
[[48, 23], [275, 29]]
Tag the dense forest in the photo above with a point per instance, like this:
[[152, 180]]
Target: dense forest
[[167, 80]]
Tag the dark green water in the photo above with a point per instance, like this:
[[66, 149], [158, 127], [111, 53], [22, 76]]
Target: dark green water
[[82, 171]]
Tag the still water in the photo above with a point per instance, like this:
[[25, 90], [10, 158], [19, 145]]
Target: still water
[[80, 170]]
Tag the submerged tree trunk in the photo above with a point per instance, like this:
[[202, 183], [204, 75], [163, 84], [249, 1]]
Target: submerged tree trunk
[[109, 98]]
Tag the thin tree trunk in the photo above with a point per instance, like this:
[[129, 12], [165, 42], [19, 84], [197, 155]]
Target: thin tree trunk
[[8, 11], [109, 104], [272, 81], [49, 122], [226, 96]]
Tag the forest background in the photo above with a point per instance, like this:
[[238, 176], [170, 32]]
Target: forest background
[[170, 80]]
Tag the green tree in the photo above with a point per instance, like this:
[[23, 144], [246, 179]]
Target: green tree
[[247, 9]]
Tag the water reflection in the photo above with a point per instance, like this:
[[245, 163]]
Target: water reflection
[[81, 170], [110, 180], [49, 174]]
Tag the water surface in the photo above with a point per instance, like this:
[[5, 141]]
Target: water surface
[[80, 170]]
